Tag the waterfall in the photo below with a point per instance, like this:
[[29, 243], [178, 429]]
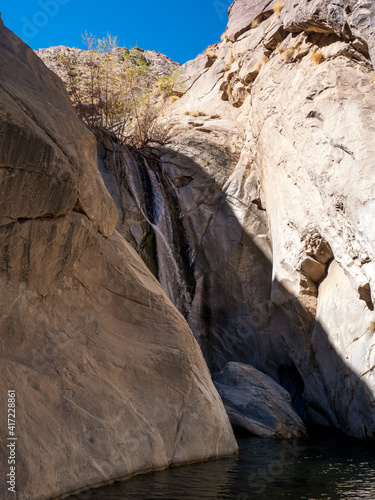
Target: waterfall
[[148, 188]]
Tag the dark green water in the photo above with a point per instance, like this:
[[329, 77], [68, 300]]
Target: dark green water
[[327, 465]]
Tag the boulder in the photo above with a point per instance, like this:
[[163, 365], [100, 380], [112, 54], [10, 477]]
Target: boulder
[[256, 404], [108, 377]]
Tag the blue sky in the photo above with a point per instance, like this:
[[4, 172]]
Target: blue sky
[[179, 29]]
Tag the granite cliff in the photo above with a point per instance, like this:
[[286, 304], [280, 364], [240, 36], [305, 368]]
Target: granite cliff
[[257, 220], [289, 287], [257, 216]]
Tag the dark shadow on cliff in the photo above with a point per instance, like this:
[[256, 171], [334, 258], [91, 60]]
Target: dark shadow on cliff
[[217, 269]]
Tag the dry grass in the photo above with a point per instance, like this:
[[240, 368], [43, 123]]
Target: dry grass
[[267, 25], [288, 53], [279, 49], [277, 8], [195, 113], [255, 23], [210, 53], [371, 328], [223, 37], [173, 99], [316, 57], [228, 65], [261, 63]]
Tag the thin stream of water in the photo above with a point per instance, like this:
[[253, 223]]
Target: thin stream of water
[[169, 273]]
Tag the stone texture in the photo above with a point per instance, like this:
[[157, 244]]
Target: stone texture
[[343, 337], [351, 20], [242, 13], [109, 379], [315, 173], [256, 404], [48, 159]]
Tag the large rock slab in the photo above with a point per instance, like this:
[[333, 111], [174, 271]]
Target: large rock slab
[[44, 148], [242, 13], [109, 379], [257, 404]]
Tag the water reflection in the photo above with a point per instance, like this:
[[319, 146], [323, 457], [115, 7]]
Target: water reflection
[[327, 466]]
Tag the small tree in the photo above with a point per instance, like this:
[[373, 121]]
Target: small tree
[[121, 94], [71, 66], [171, 84], [92, 88]]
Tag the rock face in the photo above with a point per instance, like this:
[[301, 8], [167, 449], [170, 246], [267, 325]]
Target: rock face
[[309, 115], [269, 183], [263, 230], [257, 404], [109, 380], [353, 376], [242, 14], [49, 161]]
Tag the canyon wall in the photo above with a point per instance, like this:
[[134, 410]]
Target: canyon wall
[[299, 79], [256, 217], [269, 177]]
